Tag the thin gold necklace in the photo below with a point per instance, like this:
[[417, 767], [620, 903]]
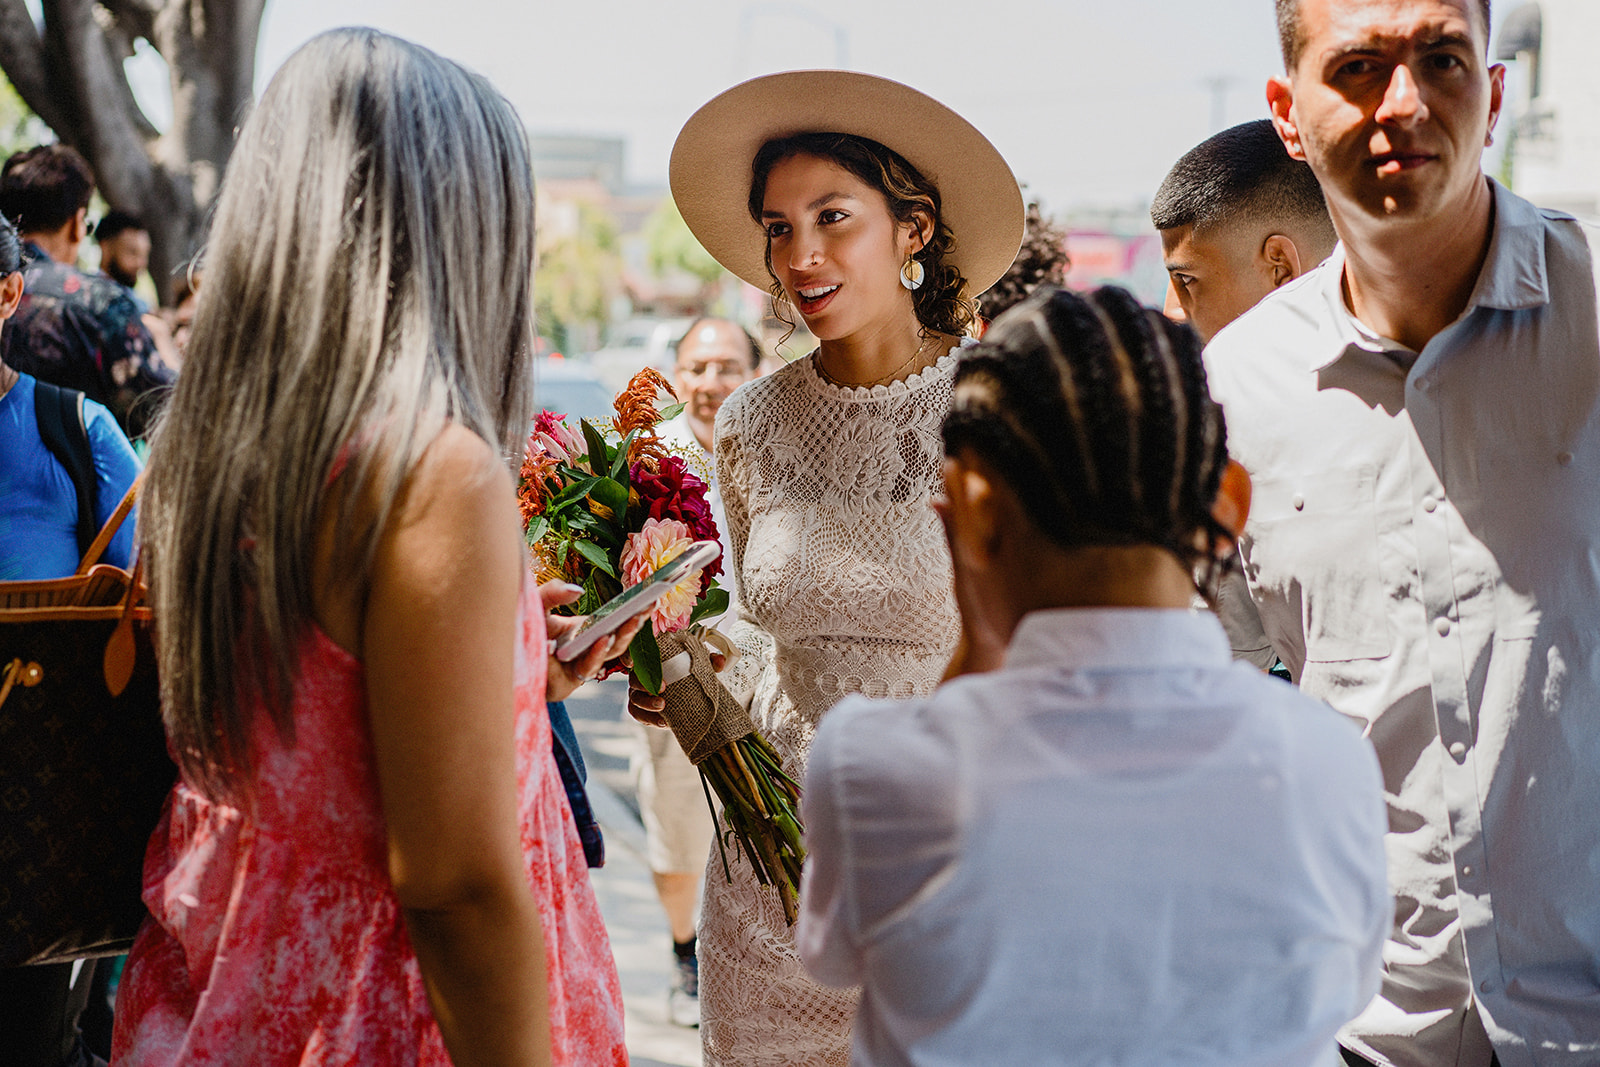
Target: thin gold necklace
[[891, 376]]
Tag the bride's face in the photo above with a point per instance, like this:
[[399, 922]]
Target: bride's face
[[835, 248]]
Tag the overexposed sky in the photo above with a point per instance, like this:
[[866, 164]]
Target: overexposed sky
[[1090, 100]]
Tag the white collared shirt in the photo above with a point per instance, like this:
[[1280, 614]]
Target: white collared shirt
[[1424, 553], [1121, 848]]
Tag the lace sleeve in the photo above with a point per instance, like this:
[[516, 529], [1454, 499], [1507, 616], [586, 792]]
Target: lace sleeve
[[754, 643]]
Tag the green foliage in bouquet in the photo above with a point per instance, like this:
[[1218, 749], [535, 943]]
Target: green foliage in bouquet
[[604, 507]]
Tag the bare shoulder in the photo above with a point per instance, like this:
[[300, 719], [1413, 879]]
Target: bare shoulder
[[458, 494], [458, 467], [455, 521]]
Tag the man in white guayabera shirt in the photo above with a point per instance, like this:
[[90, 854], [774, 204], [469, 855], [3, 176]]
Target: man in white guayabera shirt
[[1421, 418]]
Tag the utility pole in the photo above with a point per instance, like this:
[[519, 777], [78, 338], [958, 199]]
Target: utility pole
[[1219, 100], [750, 13]]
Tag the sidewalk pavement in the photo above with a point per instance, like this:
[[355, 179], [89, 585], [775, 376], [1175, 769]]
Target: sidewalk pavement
[[634, 920]]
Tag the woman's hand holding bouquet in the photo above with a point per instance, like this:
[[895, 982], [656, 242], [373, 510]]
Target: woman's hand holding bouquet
[[603, 508]]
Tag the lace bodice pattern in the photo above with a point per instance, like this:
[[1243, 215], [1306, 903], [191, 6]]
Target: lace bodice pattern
[[843, 586]]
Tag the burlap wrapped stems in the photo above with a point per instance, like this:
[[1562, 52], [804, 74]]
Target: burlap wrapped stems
[[759, 801]]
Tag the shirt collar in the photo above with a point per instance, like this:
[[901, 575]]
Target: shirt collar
[[1117, 639], [1513, 276]]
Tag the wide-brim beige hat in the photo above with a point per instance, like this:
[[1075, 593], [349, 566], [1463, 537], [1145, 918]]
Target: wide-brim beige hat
[[711, 163]]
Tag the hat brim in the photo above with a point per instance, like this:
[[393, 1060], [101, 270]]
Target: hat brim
[[710, 171]]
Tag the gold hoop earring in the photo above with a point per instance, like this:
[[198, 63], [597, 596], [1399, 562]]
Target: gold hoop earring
[[912, 274]]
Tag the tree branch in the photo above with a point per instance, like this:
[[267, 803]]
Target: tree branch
[[136, 18], [113, 143], [232, 29], [119, 48], [22, 57]]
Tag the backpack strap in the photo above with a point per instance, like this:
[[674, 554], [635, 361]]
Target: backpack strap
[[61, 427]]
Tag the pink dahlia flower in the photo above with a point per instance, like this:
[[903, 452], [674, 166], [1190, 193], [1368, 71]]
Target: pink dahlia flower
[[644, 553]]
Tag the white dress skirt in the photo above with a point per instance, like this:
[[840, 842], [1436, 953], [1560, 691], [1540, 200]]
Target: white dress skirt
[[843, 585]]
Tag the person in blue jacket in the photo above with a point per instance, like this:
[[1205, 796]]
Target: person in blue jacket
[[41, 537]]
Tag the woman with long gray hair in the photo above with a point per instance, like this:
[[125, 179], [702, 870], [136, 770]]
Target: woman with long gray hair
[[368, 857]]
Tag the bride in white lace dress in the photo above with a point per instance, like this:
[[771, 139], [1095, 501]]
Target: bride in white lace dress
[[827, 466]]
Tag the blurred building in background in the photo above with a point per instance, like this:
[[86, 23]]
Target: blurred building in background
[[1552, 119], [1117, 247], [620, 277]]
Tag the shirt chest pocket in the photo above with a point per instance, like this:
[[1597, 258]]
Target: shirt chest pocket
[[1312, 554]]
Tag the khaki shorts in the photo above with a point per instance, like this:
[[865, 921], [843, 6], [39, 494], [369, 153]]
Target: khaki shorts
[[677, 824]]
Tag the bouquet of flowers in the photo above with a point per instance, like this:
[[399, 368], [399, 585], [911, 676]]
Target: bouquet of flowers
[[603, 507]]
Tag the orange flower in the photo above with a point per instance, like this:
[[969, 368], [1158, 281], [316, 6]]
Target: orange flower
[[636, 411], [533, 491]]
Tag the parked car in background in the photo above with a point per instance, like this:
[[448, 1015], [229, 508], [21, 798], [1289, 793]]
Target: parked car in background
[[636, 343], [572, 388]]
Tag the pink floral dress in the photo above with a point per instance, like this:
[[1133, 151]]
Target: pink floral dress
[[277, 940]]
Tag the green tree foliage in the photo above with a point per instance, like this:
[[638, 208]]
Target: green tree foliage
[[669, 246], [579, 272], [19, 127]]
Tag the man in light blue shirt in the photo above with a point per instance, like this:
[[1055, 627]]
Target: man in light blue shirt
[[1421, 420]]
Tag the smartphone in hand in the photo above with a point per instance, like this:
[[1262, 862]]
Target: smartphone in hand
[[616, 612]]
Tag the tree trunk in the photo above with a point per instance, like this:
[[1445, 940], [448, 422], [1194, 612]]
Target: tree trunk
[[69, 71]]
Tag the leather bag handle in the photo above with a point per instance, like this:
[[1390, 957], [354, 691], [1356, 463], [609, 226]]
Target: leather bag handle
[[97, 547], [121, 651]]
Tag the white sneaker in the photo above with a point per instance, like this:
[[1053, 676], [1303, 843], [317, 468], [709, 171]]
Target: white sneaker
[[683, 999]]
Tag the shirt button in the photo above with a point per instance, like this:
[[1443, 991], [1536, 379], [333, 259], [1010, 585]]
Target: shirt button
[[1428, 504], [1564, 458], [1299, 502], [1466, 871], [1443, 627], [1457, 749]]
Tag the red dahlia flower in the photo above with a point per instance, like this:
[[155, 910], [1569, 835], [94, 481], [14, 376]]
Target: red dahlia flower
[[672, 492]]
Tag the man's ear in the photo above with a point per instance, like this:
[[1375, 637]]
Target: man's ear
[[80, 226], [974, 520], [1497, 96], [1280, 100], [1232, 506], [1281, 259]]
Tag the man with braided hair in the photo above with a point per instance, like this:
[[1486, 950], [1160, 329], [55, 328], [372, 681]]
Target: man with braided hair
[[1421, 419], [1116, 846]]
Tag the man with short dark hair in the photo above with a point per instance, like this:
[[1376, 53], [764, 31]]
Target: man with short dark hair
[[1238, 218], [1420, 416], [74, 329]]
